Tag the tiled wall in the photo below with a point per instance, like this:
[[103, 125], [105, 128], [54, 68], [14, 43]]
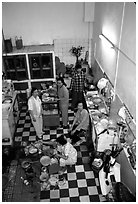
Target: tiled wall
[[62, 47]]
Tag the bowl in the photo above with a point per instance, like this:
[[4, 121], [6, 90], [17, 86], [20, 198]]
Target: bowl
[[97, 100], [25, 164], [45, 160], [33, 150]]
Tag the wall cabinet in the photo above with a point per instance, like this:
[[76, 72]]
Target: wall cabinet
[[41, 65], [29, 64], [15, 67]]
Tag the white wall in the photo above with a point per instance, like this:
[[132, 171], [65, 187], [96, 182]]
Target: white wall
[[41, 23], [126, 78], [108, 20]]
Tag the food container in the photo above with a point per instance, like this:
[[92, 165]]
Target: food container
[[33, 150], [25, 164], [44, 176], [97, 100], [45, 160], [19, 42]]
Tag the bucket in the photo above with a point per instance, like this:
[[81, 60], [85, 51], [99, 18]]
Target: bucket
[[19, 43], [8, 45]]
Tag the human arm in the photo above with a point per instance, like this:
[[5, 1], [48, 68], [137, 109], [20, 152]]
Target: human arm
[[65, 152], [30, 109], [51, 143], [74, 122], [62, 156], [32, 115], [65, 94], [72, 83]]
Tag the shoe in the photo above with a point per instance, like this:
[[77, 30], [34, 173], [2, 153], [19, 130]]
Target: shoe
[[65, 126], [62, 182], [40, 137], [42, 133]]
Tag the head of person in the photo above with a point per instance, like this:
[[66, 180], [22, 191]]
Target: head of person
[[61, 140], [80, 106], [60, 82], [111, 128], [34, 92], [78, 67]]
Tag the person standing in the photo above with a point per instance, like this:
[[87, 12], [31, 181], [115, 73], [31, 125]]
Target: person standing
[[77, 87], [35, 110], [63, 95]]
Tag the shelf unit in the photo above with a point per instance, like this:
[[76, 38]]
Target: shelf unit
[[31, 64]]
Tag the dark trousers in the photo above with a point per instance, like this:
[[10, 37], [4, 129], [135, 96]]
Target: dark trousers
[[78, 97], [76, 136]]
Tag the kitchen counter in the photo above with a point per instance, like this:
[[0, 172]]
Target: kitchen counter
[[7, 107], [124, 157], [10, 115]]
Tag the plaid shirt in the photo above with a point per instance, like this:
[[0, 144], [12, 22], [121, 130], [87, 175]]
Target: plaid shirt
[[78, 81]]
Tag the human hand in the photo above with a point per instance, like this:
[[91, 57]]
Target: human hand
[[34, 119], [70, 129], [54, 152], [72, 132]]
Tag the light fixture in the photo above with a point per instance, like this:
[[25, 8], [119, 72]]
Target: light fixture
[[106, 41]]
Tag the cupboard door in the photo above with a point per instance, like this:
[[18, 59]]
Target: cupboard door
[[15, 67], [47, 65], [35, 66], [21, 67], [10, 67]]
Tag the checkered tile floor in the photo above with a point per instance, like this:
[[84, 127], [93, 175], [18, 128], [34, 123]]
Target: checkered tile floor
[[82, 184]]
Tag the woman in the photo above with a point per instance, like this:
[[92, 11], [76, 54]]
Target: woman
[[80, 123], [68, 154], [63, 95], [35, 110]]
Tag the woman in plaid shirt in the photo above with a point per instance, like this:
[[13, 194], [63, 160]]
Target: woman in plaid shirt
[[77, 87]]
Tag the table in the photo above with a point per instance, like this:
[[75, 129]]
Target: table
[[51, 115]]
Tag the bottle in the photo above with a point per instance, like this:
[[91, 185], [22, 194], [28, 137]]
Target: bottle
[[25, 181]]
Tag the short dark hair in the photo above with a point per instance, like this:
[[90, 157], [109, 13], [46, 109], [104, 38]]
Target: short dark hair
[[62, 80], [80, 102], [61, 140], [78, 66], [33, 89]]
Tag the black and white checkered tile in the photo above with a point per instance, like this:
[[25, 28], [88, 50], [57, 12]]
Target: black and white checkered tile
[[82, 184]]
